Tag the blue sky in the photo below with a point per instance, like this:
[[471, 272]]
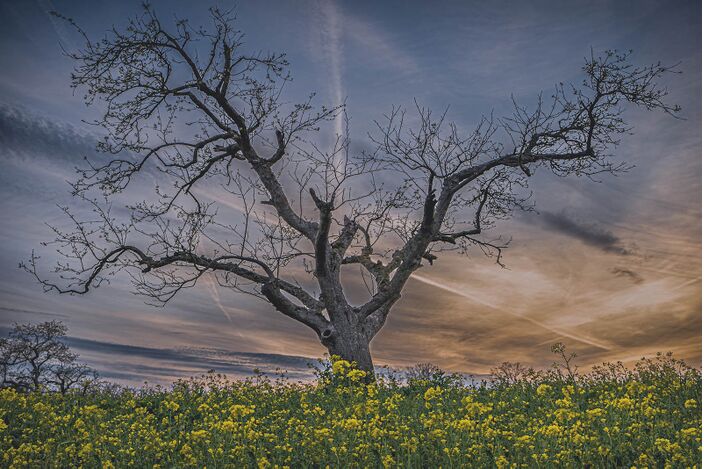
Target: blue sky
[[611, 268]]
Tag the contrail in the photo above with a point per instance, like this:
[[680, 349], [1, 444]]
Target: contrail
[[332, 24], [552, 329], [669, 273], [332, 50], [215, 295], [687, 283], [233, 205], [216, 198], [65, 40]]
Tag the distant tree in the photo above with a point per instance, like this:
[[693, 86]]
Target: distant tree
[[424, 374], [208, 118], [508, 373], [8, 360], [67, 376], [34, 357]]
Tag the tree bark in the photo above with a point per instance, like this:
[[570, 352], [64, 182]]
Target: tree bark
[[351, 343]]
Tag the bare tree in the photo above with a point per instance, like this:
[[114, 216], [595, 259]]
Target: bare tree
[[66, 376], [34, 356], [201, 113], [9, 359], [509, 373], [424, 374]]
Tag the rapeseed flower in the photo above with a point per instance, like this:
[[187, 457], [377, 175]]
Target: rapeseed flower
[[641, 420]]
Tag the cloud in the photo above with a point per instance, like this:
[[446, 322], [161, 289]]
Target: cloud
[[621, 272], [33, 312], [190, 354], [26, 136], [590, 234], [386, 51], [23, 134], [170, 363]]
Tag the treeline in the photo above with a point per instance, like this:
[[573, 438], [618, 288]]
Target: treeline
[[34, 357]]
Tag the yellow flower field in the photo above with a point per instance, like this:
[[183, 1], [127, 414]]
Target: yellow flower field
[[649, 417]]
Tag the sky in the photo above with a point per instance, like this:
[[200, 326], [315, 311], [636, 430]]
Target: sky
[[612, 267]]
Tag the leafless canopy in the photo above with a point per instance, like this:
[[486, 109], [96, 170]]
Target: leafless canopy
[[202, 117], [34, 357]]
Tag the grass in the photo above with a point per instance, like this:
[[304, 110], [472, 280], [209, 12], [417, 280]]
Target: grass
[[611, 417]]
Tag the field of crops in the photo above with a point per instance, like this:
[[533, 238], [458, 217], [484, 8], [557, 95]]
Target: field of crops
[[611, 417]]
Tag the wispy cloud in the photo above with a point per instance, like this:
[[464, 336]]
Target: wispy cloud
[[380, 48], [628, 273], [185, 362], [24, 134], [23, 311], [331, 46], [560, 332], [589, 233]]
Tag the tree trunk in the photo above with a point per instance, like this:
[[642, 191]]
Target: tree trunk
[[352, 346]]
